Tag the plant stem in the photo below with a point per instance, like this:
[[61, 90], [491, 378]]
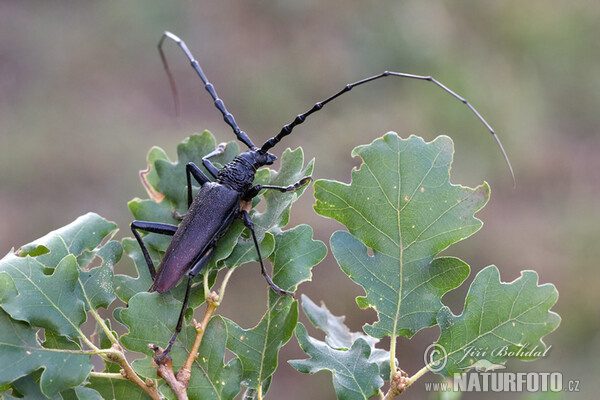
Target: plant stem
[[392, 356], [108, 375], [224, 284], [178, 382], [419, 374], [212, 303], [205, 283], [127, 372]]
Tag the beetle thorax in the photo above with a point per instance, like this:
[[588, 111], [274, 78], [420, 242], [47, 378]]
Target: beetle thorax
[[238, 174]]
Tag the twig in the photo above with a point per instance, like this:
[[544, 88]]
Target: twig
[[165, 371], [179, 381], [185, 372], [127, 372], [400, 381]]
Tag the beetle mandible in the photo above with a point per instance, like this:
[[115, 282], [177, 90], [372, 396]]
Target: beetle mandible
[[215, 206]]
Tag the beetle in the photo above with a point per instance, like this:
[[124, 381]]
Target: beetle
[[217, 203]]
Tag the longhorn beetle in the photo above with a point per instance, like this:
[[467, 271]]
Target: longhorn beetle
[[215, 206]]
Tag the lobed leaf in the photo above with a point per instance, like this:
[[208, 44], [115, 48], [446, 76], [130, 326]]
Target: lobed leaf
[[50, 283], [294, 256], [258, 348], [402, 205], [151, 318], [58, 300], [211, 379], [499, 321], [354, 375], [21, 354], [339, 337]]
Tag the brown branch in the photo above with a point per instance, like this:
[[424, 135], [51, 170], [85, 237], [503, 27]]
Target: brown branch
[[399, 382], [213, 302], [127, 372], [179, 382], [165, 371]]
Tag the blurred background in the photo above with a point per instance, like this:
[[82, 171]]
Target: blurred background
[[83, 97]]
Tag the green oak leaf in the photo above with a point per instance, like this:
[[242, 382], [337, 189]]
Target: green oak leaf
[[354, 375], [98, 282], [28, 387], [50, 283], [151, 318], [53, 290], [402, 205], [503, 320], [115, 388], [339, 337], [258, 348], [79, 238], [294, 255], [21, 354], [210, 378], [53, 301], [126, 286]]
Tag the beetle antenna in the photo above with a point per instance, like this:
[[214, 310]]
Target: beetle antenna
[[287, 129], [227, 116]]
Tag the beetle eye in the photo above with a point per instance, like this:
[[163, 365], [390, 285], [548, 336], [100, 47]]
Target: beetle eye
[[270, 158]]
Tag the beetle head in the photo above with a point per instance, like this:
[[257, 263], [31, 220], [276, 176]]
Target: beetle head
[[258, 158]]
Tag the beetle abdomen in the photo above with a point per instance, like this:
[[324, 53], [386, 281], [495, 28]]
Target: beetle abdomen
[[207, 219]]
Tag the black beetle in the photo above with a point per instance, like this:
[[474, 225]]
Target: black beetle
[[218, 203]]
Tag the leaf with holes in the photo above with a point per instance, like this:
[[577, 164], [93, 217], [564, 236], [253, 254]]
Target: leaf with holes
[[21, 354], [402, 205], [50, 283], [53, 290], [500, 321]]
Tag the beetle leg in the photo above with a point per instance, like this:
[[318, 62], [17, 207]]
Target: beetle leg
[[191, 274], [250, 225], [257, 188], [214, 171], [154, 227], [192, 169]]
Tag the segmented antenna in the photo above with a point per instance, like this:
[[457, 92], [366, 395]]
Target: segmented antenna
[[227, 116], [287, 129]]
